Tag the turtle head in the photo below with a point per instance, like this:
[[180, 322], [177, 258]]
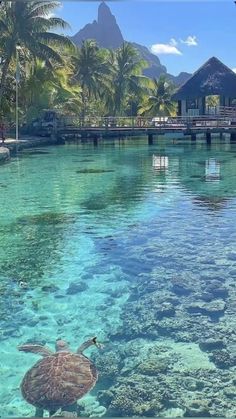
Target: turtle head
[[61, 345]]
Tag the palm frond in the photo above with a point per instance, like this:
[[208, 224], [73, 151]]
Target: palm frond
[[41, 8], [54, 39]]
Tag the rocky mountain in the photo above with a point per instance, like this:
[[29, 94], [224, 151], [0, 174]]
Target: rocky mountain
[[105, 30], [155, 68], [107, 33], [180, 79]]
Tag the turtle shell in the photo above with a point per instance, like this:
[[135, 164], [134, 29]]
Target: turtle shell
[[58, 380]]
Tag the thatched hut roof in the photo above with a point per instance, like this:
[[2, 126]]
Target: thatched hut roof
[[213, 78]]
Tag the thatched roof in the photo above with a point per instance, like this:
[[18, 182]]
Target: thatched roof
[[213, 78]]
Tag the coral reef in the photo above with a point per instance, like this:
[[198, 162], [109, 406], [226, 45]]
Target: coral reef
[[109, 364], [222, 358], [133, 397]]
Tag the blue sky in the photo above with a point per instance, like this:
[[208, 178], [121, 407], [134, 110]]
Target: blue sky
[[184, 34]]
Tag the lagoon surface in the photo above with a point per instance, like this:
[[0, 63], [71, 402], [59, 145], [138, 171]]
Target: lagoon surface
[[136, 245]]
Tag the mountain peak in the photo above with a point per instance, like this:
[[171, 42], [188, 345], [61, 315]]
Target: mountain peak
[[104, 13], [107, 33], [105, 30]]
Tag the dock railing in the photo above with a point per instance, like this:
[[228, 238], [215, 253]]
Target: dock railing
[[138, 122]]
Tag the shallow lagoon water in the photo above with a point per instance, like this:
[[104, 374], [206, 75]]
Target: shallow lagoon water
[[134, 244]]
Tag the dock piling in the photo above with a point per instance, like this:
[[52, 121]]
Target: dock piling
[[233, 137], [95, 140], [150, 139], [208, 137]]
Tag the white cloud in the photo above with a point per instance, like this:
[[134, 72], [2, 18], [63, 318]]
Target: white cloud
[[191, 41], [234, 70], [165, 48], [173, 42]]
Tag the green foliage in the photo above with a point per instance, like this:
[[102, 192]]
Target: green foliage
[[91, 72], [54, 74], [44, 89], [158, 102], [27, 25], [127, 80], [212, 101]]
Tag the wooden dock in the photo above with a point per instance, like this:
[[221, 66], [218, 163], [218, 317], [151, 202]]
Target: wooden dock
[[96, 128]]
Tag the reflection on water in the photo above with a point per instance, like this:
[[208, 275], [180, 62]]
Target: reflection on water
[[134, 244], [160, 162], [212, 170]]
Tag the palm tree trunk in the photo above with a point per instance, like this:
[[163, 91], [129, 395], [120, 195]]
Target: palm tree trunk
[[83, 95], [3, 77]]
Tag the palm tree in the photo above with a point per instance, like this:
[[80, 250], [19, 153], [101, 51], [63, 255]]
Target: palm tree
[[127, 77], [159, 101], [27, 23], [66, 95], [91, 71], [46, 89]]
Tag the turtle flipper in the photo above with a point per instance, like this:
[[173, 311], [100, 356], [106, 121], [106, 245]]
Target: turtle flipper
[[35, 349]]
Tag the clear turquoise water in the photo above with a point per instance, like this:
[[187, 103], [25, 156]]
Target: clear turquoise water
[[105, 242]]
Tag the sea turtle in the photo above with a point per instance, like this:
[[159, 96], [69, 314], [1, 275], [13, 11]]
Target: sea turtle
[[60, 378]]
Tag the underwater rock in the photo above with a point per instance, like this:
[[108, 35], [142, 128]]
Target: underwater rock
[[154, 365], [95, 202], [213, 308], [232, 273], [75, 288], [145, 285], [165, 310], [90, 407], [231, 256], [222, 359], [118, 292], [50, 288], [36, 340], [109, 364], [147, 315], [43, 317], [12, 333], [192, 384], [220, 292], [180, 288], [198, 408], [53, 218], [230, 392], [61, 321], [208, 261], [105, 396], [211, 344], [134, 401], [33, 322], [206, 296], [216, 289]]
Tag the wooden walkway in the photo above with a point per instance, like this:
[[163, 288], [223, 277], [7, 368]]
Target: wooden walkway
[[96, 128]]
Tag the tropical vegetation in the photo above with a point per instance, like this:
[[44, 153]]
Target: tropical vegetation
[[52, 73], [158, 101]]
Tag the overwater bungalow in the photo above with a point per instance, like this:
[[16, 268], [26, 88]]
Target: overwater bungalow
[[212, 79]]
